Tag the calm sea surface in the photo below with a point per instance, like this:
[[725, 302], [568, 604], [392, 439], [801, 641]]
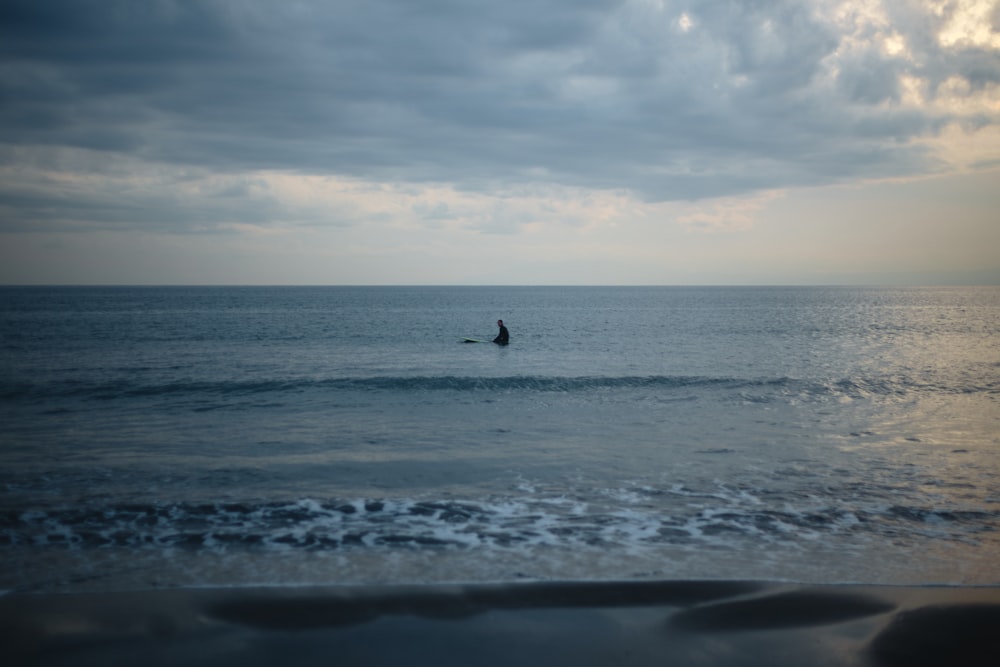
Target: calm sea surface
[[160, 437]]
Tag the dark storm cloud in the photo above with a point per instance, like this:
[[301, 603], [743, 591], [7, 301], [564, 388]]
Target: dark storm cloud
[[696, 99]]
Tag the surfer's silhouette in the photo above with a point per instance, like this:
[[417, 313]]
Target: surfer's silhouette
[[503, 337]]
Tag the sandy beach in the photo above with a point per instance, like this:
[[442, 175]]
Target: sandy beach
[[597, 623]]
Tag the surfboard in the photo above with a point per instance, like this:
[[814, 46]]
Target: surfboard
[[472, 340]]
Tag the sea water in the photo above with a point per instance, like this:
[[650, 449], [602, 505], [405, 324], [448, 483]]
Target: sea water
[[161, 437]]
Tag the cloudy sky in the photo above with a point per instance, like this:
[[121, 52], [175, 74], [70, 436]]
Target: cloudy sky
[[513, 142]]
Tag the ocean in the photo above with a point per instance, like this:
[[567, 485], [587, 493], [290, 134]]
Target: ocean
[[163, 437]]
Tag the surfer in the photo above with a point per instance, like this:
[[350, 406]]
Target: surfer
[[503, 337]]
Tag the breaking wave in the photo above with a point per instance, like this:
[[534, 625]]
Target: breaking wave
[[503, 523]]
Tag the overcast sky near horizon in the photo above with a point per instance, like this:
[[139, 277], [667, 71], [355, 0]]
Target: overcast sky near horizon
[[515, 142]]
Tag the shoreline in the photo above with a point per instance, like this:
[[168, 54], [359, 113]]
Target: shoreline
[[709, 622]]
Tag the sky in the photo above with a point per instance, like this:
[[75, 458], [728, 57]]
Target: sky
[[519, 142]]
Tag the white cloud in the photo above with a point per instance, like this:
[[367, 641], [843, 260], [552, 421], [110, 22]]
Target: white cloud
[[971, 23]]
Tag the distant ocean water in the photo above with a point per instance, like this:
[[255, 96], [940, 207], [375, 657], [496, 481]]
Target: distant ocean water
[[160, 437]]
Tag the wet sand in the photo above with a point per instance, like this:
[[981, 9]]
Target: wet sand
[[580, 624]]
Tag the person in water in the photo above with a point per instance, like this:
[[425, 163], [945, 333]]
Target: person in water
[[503, 337]]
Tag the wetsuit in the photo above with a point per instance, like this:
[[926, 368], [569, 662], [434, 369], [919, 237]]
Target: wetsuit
[[503, 337]]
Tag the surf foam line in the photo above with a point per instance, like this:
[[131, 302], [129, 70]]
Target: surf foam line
[[500, 523]]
